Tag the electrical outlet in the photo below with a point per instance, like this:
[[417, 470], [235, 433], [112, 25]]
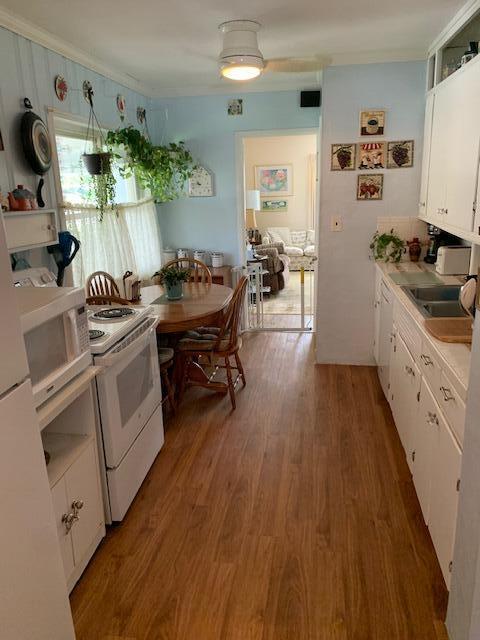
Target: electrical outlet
[[336, 223]]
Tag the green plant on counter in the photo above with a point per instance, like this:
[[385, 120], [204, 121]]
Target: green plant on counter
[[387, 247], [161, 169], [171, 276]]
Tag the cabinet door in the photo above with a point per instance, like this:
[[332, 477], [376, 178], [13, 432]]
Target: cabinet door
[[427, 137], [438, 168], [376, 317], [384, 344], [61, 507], [463, 139], [404, 394], [82, 483], [445, 478], [422, 444]]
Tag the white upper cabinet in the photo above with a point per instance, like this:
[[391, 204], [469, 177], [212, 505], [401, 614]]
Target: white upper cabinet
[[427, 138]]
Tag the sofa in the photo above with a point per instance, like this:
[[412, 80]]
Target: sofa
[[277, 265], [299, 245]]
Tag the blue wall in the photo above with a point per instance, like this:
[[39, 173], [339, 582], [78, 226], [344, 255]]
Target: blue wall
[[209, 132]]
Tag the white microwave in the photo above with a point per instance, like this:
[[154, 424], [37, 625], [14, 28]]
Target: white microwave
[[55, 329]]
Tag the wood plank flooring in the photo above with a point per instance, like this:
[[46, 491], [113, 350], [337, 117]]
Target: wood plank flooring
[[292, 518]]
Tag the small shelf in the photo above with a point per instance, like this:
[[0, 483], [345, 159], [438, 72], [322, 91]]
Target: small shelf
[[30, 212], [64, 449], [30, 229]]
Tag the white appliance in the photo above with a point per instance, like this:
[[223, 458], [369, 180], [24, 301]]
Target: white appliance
[[55, 329], [129, 399], [453, 260], [34, 277], [34, 600]]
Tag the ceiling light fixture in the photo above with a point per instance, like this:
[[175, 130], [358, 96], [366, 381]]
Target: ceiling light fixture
[[240, 59]]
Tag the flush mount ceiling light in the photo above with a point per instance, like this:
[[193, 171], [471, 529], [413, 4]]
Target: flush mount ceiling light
[[240, 59]]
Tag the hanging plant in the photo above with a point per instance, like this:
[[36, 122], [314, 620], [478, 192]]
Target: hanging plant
[[387, 247], [161, 169], [101, 182]]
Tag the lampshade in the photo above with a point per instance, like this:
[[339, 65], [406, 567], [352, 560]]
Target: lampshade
[[253, 200], [250, 220]]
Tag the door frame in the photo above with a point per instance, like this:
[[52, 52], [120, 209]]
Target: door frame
[[240, 137]]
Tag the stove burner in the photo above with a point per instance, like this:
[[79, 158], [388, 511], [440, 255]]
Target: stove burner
[[114, 313], [95, 334]]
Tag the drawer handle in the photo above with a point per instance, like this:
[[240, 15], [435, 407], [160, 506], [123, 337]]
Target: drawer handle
[[427, 361], [409, 370], [69, 520], [77, 505], [447, 394], [432, 418]]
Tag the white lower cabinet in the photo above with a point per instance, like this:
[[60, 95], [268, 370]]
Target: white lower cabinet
[[78, 510], [384, 339]]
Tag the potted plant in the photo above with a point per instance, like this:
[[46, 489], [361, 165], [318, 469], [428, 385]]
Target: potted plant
[[387, 247], [161, 169], [173, 278]]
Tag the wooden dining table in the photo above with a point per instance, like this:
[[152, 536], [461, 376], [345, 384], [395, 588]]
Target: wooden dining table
[[202, 305]]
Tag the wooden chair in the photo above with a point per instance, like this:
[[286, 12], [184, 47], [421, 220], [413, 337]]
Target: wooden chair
[[101, 283], [199, 270], [165, 360], [106, 300], [214, 344]]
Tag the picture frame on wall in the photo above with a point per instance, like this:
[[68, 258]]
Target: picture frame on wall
[[343, 157], [274, 179], [400, 154], [370, 186], [274, 205], [372, 122], [371, 155], [235, 107]]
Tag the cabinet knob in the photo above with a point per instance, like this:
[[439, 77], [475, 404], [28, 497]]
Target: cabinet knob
[[77, 504], [432, 418]]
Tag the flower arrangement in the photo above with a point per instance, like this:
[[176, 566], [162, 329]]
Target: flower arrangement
[[173, 278]]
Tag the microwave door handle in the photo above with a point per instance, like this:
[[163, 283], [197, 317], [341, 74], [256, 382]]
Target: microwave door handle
[[71, 328]]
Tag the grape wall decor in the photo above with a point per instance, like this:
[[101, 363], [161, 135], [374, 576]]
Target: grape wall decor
[[400, 154], [343, 157]]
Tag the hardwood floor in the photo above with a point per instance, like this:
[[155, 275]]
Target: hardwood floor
[[292, 518]]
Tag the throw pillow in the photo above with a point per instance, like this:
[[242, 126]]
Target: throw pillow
[[311, 236], [298, 238], [280, 234]]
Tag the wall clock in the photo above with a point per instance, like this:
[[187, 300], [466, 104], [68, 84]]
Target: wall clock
[[201, 183]]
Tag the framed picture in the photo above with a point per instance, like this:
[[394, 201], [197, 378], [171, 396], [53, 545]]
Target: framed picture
[[370, 186], [235, 107], [372, 123], [274, 205], [343, 157], [400, 154], [371, 155], [274, 179]]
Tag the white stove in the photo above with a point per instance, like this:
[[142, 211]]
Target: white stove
[[111, 324]]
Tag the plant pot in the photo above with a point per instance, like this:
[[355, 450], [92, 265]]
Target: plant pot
[[97, 163], [174, 291]]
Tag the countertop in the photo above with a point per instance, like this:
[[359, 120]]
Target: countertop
[[455, 358]]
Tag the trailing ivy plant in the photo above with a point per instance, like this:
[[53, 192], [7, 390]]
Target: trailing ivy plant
[[161, 169], [100, 191], [387, 247]]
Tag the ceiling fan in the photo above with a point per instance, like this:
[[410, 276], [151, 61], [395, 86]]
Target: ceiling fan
[[241, 59]]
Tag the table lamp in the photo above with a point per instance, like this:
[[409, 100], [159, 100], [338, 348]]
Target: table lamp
[[252, 202]]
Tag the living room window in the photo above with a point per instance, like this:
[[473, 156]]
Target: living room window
[[125, 240]]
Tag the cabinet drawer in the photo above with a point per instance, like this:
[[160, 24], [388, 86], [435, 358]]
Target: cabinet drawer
[[452, 406], [30, 229], [406, 327], [429, 365]]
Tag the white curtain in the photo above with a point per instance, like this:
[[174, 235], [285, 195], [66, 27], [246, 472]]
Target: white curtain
[[129, 241], [312, 189]]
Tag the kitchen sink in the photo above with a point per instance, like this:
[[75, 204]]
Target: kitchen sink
[[437, 302]]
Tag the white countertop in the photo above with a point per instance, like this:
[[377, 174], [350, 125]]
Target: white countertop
[[455, 358]]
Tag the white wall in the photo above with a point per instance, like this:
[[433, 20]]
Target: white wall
[[294, 150], [345, 272]]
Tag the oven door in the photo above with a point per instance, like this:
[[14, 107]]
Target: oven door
[[129, 390]]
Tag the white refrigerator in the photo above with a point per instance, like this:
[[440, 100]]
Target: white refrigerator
[[33, 593]]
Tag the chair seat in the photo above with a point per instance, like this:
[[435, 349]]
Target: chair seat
[[165, 354], [202, 339]]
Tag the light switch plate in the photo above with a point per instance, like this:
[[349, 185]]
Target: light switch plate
[[336, 223]]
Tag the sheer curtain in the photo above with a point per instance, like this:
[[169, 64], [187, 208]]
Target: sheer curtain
[[129, 241]]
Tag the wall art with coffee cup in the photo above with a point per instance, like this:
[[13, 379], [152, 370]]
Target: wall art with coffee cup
[[400, 154], [372, 123]]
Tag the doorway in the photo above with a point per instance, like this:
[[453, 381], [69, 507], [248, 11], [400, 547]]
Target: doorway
[[280, 193]]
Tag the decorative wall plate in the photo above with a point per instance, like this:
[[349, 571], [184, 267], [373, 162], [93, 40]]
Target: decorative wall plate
[[121, 105], [87, 90], [36, 143], [61, 88], [201, 183]]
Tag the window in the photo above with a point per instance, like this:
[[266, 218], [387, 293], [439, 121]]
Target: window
[[127, 241]]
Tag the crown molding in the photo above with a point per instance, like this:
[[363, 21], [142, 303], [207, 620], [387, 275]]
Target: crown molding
[[31, 31]]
